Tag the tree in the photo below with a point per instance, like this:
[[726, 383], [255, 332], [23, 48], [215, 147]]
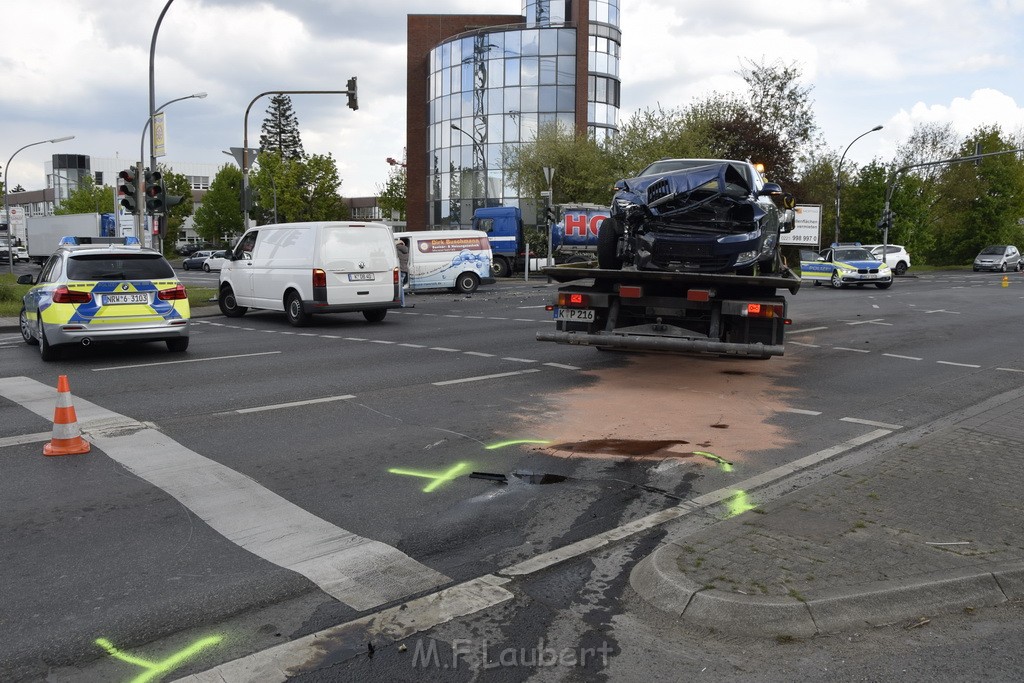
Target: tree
[[176, 185], [280, 129], [305, 189], [583, 172], [782, 105], [220, 214], [652, 134], [88, 198], [392, 197]]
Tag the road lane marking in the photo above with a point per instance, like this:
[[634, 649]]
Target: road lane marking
[[809, 329], [360, 572], [293, 404], [481, 378], [479, 353], [801, 411], [845, 348], [25, 438], [1009, 369], [870, 423], [519, 360], [413, 346], [562, 367], [896, 355], [445, 349], [959, 365], [811, 346], [188, 360]]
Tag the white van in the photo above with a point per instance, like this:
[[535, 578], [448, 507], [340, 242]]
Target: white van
[[450, 259], [307, 268]]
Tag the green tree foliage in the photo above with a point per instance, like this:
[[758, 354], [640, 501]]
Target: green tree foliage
[[87, 198], [782, 105], [176, 185], [220, 214], [305, 189], [280, 130], [392, 195], [652, 134], [582, 169]]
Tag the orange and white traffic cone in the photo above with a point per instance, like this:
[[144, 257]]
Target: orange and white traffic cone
[[67, 437]]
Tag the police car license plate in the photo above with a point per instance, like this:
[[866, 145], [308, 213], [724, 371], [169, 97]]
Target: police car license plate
[[136, 298], [575, 314], [360, 277]]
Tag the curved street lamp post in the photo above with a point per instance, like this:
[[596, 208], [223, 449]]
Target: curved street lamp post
[[7, 215], [839, 174]]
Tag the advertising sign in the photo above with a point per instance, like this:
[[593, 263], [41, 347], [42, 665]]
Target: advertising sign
[[808, 226]]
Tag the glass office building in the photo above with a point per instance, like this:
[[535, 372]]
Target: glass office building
[[491, 88]]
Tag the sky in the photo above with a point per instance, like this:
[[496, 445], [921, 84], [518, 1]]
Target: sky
[[81, 67]]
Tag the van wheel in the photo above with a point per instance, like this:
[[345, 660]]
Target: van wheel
[[375, 315], [228, 305], [293, 309], [499, 267], [26, 331], [179, 345], [467, 283]]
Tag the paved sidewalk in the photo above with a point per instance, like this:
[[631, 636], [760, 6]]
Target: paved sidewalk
[[933, 525]]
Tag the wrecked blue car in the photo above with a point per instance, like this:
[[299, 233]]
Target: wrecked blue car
[[696, 216]]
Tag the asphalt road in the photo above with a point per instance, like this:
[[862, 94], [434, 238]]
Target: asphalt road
[[366, 433]]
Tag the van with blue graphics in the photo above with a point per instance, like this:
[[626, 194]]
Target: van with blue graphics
[[309, 268], [448, 259]]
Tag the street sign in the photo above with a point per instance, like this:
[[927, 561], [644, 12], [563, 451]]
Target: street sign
[[236, 152], [808, 226]]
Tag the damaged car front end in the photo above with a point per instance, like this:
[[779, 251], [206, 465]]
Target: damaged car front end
[[696, 216]]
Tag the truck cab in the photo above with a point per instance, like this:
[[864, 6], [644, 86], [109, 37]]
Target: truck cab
[[504, 228]]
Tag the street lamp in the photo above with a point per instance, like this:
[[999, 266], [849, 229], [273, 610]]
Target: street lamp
[[7, 214], [479, 158], [839, 175]]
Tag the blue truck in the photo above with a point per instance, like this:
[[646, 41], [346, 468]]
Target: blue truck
[[573, 238]]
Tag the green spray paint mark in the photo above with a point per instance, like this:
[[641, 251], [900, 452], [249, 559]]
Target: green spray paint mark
[[726, 465], [157, 669], [513, 442], [438, 478], [739, 503]]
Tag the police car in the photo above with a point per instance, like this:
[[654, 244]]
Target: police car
[[845, 264], [102, 289]]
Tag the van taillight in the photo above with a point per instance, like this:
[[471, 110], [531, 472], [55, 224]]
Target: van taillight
[[176, 292], [63, 295], [396, 276], [319, 278]]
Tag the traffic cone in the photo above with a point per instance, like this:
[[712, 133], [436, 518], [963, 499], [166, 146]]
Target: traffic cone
[[67, 437]]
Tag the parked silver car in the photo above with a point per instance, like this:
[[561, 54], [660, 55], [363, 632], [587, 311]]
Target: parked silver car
[[1001, 257], [896, 256]]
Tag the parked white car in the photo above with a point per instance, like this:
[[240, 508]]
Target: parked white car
[[214, 261], [896, 256]]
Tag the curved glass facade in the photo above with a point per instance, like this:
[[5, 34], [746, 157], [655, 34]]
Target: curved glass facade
[[497, 87]]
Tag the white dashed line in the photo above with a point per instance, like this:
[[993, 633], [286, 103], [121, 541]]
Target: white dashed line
[[810, 346], [801, 411], [484, 377], [445, 349], [562, 367], [844, 348], [959, 365], [381, 341], [1009, 369], [870, 423], [809, 329], [479, 353], [896, 355], [190, 360], [353, 339], [519, 360], [413, 346], [293, 404]]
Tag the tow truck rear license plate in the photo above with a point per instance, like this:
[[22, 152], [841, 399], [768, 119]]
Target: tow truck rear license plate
[[125, 299], [575, 314]]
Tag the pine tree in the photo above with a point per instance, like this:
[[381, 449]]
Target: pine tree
[[280, 130]]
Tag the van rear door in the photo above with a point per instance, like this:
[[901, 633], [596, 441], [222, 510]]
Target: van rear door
[[360, 264]]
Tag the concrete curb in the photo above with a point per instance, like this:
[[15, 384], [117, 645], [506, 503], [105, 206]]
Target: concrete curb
[[659, 580]]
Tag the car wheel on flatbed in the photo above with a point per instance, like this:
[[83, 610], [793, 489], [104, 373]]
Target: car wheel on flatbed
[[608, 234]]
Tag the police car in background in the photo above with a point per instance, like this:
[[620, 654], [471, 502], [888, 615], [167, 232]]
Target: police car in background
[[845, 264], [104, 289]]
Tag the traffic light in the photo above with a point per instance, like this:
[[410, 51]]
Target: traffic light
[[886, 222], [154, 192], [550, 215], [128, 191], [353, 97]]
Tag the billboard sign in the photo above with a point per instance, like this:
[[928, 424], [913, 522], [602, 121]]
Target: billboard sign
[[808, 226]]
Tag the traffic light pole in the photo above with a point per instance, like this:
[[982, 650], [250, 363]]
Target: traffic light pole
[[353, 103]]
